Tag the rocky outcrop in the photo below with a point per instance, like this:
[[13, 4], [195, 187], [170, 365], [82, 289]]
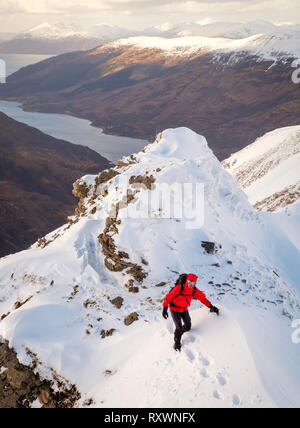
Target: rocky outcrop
[[145, 180], [279, 200], [115, 260], [22, 387]]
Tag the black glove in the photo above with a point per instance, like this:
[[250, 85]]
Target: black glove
[[165, 312], [214, 309]]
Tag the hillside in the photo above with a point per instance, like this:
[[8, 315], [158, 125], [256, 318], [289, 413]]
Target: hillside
[[92, 314], [230, 90], [268, 169], [36, 176]]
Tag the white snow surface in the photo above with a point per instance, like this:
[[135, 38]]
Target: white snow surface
[[53, 31], [244, 358], [259, 38], [268, 166], [266, 46], [231, 30]]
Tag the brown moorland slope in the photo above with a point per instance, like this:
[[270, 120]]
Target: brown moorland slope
[[36, 177], [139, 92]]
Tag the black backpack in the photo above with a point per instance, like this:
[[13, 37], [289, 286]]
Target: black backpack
[[181, 280]]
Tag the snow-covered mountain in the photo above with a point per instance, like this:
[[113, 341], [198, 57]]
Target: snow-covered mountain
[[61, 37], [53, 31], [85, 301], [268, 170], [264, 46], [230, 30], [49, 39]]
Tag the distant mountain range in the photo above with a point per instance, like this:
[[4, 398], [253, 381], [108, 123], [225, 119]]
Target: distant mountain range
[[60, 37]]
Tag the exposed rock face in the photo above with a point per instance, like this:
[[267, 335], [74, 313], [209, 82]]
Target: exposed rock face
[[118, 261], [143, 179], [20, 386], [281, 199], [105, 176]]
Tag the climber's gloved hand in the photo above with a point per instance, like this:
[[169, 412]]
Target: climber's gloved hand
[[165, 312], [214, 309]]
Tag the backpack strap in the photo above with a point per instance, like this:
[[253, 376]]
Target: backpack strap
[[181, 281], [180, 292]]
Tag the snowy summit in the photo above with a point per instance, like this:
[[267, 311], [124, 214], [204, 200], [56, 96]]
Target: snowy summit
[[86, 300]]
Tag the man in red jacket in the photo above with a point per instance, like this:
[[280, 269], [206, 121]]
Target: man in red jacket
[[178, 300]]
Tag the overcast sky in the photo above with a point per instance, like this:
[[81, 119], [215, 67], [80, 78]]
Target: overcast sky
[[19, 15]]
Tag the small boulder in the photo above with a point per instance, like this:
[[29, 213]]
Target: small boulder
[[161, 284], [131, 318], [117, 301]]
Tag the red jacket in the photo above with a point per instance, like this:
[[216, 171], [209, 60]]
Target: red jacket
[[183, 301]]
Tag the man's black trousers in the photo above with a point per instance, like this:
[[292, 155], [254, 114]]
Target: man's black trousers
[[180, 318]]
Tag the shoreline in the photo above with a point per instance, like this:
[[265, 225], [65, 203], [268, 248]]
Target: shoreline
[[113, 155], [29, 108]]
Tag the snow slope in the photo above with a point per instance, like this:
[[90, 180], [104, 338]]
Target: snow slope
[[265, 46], [56, 298], [268, 170]]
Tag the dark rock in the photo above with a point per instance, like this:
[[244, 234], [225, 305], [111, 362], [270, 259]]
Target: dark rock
[[131, 318], [146, 180], [161, 284], [105, 176], [20, 385], [106, 333], [117, 301], [209, 247]]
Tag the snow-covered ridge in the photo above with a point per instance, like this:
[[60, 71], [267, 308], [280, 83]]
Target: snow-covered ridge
[[261, 38], [266, 46], [58, 298], [173, 46], [268, 170], [231, 30], [53, 31]]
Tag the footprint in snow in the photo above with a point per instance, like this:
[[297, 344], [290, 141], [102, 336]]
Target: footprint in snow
[[236, 400], [170, 328], [191, 339], [217, 395], [221, 379], [190, 354], [204, 373], [204, 360]]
